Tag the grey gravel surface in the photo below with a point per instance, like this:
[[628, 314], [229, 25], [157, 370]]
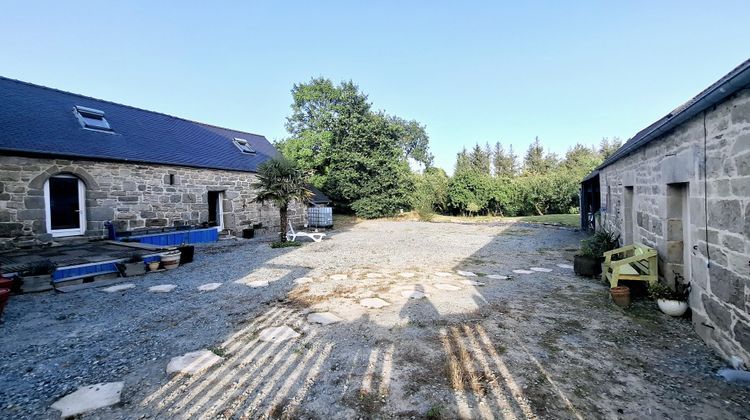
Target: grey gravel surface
[[547, 344]]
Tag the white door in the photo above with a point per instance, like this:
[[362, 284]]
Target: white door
[[65, 198]]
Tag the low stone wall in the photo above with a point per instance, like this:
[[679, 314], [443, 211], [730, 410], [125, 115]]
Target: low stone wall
[[131, 195], [712, 253]]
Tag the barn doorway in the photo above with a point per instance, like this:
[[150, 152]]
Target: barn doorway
[[216, 209], [64, 197]]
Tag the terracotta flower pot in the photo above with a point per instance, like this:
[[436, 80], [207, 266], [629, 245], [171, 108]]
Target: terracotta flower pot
[[621, 296]]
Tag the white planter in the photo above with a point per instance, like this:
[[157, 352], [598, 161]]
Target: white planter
[[672, 307]]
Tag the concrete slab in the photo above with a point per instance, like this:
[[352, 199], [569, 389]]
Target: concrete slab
[[162, 288], [472, 283], [541, 269], [374, 303], [88, 398], [255, 284], [466, 273], [497, 277], [193, 362], [118, 288], [568, 266], [277, 334], [209, 287], [523, 271], [413, 294], [324, 318], [443, 274], [448, 287]]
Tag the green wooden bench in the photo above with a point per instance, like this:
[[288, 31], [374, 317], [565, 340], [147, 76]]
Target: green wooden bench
[[632, 262]]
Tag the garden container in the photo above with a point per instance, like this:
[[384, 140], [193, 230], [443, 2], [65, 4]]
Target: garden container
[[186, 253], [672, 307], [4, 294], [134, 269], [621, 296], [587, 266], [39, 283]]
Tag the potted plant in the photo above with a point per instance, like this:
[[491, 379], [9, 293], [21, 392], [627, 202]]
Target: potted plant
[[588, 261], [671, 302], [38, 277], [170, 260], [133, 266], [153, 265]]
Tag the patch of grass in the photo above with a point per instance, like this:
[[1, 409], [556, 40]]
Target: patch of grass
[[435, 412], [570, 220], [219, 351], [285, 244]]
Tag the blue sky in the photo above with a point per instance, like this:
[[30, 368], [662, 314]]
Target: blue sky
[[471, 71]]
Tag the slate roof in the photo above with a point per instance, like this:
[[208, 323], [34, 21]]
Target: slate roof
[[735, 80], [37, 120]]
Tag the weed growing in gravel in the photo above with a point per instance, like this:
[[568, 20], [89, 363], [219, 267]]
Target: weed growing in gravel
[[434, 413], [286, 244], [219, 351]]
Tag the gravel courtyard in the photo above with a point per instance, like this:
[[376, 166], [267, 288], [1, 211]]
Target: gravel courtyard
[[538, 344]]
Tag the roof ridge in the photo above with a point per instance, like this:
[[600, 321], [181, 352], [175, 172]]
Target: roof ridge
[[126, 106]]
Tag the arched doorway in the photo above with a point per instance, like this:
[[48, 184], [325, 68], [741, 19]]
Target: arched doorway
[[65, 204]]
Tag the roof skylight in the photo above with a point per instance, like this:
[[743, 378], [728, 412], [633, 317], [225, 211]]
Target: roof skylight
[[244, 146], [92, 119]]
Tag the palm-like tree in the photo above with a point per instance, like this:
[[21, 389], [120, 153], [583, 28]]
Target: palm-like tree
[[280, 181]]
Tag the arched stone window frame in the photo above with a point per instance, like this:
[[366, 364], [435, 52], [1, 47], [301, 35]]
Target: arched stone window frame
[[85, 183]]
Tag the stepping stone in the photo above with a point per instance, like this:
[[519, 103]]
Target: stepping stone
[[118, 288], [472, 283], [193, 362], [406, 275], [568, 266], [338, 277], [256, 284], [448, 287], [523, 271], [87, 398], [209, 287], [413, 294], [374, 303], [375, 275], [465, 273], [323, 318], [497, 277], [277, 334], [542, 270], [303, 280], [162, 288], [443, 274]]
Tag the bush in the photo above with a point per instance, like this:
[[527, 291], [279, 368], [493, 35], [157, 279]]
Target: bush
[[285, 244], [601, 242], [660, 291]]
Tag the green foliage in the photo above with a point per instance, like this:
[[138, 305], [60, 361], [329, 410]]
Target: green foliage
[[285, 244], [608, 147], [359, 158], [599, 243], [660, 291], [430, 192], [280, 181]]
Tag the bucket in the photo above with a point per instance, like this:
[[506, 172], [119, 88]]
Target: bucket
[[621, 296], [186, 253]]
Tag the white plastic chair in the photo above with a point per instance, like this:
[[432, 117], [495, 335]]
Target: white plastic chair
[[292, 235]]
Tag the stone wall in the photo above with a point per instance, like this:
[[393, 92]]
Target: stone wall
[[131, 195], [712, 253]]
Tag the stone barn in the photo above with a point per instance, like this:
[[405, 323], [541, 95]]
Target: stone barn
[[682, 186], [70, 163]]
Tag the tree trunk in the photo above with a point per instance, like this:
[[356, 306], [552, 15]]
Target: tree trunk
[[283, 220], [538, 210]]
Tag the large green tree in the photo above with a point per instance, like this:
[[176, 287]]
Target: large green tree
[[281, 182], [359, 157]]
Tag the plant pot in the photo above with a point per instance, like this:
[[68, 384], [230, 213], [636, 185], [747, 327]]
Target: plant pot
[[153, 265], [248, 233], [134, 269], [171, 260], [6, 283], [672, 307], [587, 266], [186, 253], [36, 283], [4, 294], [621, 296]]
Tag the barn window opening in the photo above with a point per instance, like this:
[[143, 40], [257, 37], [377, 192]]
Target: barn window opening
[[92, 119]]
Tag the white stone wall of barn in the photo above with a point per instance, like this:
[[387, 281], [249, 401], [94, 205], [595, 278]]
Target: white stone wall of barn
[[660, 192]]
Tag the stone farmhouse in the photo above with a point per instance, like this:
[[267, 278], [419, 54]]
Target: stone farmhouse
[[69, 163], [682, 186]]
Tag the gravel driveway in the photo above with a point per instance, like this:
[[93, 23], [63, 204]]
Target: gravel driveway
[[542, 344]]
